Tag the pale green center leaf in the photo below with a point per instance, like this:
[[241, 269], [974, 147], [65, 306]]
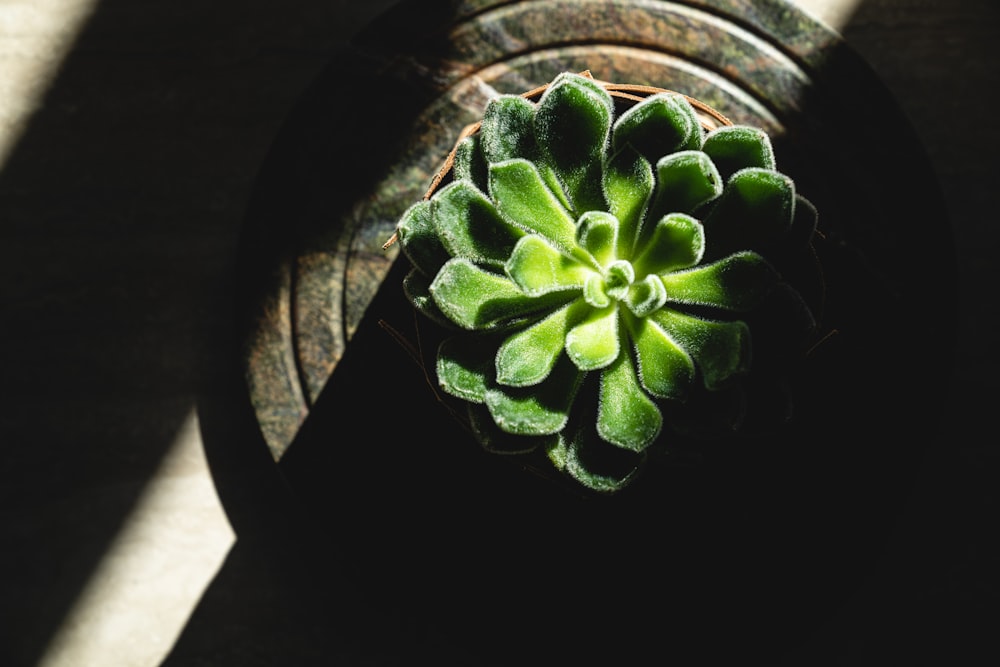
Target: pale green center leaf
[[527, 357], [677, 242], [666, 370], [626, 417], [595, 292], [646, 295], [594, 342], [618, 278], [539, 268], [597, 233]]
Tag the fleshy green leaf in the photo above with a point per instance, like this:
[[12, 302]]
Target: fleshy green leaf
[[721, 350], [416, 287], [475, 298], [735, 147], [618, 277], [677, 242], [572, 122], [626, 416], [594, 342], [469, 164], [527, 357], [659, 125], [626, 242], [495, 441], [646, 295], [539, 268], [419, 239], [507, 130], [755, 209], [522, 198], [597, 233], [595, 292], [538, 410], [628, 187], [736, 283], [665, 369], [469, 226], [585, 82], [594, 463], [464, 367], [684, 181]]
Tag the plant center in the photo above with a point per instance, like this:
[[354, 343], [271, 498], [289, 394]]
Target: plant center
[[618, 278]]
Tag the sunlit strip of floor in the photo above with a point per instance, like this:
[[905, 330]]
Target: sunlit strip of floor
[[152, 575]]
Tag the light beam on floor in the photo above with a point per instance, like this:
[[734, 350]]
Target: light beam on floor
[[153, 574], [35, 36], [834, 13]]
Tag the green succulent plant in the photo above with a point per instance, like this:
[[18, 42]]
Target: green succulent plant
[[599, 263]]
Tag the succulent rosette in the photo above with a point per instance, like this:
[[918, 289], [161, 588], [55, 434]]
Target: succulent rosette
[[602, 266]]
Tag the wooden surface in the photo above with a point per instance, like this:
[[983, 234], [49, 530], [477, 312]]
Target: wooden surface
[[121, 208]]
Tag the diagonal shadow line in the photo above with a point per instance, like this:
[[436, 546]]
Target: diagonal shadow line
[[96, 365], [118, 205]]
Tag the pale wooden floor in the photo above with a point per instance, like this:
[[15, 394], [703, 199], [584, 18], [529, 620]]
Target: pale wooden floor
[[122, 190]]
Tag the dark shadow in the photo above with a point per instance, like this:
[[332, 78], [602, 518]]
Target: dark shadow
[[929, 598], [408, 546], [120, 208], [102, 314]]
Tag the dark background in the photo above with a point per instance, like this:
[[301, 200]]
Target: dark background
[[120, 214]]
